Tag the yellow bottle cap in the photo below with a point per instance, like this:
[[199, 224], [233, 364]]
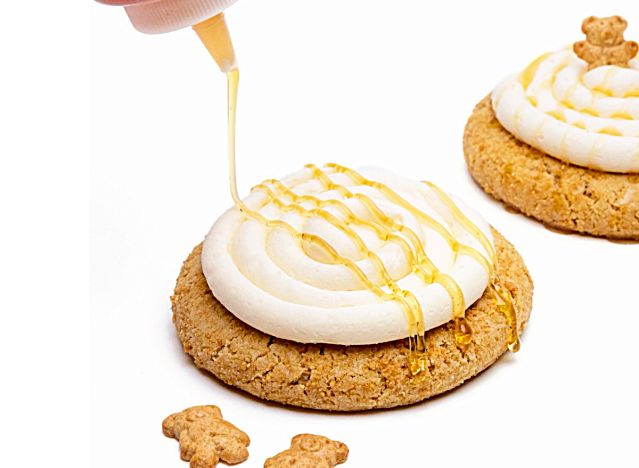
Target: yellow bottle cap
[[214, 34]]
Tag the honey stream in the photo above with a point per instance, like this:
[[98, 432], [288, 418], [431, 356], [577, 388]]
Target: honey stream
[[385, 228]]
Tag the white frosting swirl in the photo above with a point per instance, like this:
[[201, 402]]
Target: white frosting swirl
[[587, 118], [269, 281]]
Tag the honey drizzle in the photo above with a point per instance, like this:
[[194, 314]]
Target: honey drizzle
[[233, 80], [404, 298], [384, 227], [501, 295], [527, 76]]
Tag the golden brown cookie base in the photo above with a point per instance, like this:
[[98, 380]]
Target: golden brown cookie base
[[562, 195], [333, 377]]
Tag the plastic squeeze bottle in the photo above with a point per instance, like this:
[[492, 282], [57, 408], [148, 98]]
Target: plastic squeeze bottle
[[206, 17]]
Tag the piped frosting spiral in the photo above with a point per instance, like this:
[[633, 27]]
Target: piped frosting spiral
[[585, 117], [285, 287]]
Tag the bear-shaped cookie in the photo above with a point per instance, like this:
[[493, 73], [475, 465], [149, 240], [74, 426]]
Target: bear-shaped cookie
[[310, 451], [604, 44], [205, 438]]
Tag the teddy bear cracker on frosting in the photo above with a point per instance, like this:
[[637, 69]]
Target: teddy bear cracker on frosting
[[604, 44]]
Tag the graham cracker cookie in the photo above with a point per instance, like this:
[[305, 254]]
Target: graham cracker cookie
[[559, 194], [334, 377]]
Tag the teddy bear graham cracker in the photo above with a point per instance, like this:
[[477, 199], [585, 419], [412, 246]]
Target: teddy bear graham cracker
[[310, 451], [604, 44], [205, 438]]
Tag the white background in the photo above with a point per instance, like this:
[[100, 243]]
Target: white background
[[361, 84], [356, 82]]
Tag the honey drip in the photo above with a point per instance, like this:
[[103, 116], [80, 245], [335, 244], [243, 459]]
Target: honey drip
[[386, 229]]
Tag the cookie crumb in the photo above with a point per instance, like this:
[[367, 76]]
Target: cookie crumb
[[205, 438], [310, 451]]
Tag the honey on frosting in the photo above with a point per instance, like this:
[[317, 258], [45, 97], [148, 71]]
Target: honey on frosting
[[579, 104], [386, 229]]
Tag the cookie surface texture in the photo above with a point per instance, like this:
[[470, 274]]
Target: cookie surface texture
[[341, 378], [559, 194]]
